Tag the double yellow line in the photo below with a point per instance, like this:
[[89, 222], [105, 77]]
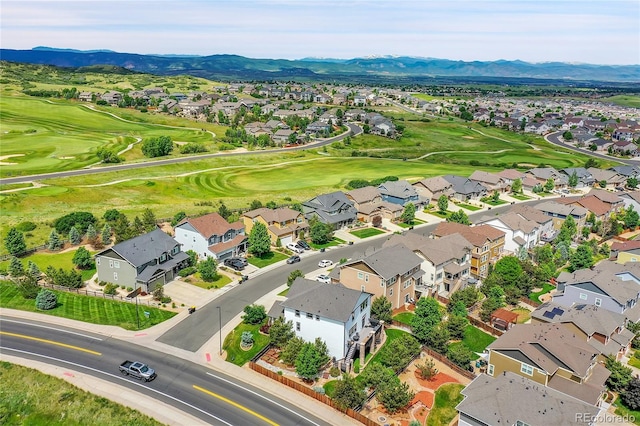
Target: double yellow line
[[235, 404], [51, 342]]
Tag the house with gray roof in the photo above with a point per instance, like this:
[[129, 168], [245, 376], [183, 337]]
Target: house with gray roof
[[510, 399], [334, 209], [492, 181], [559, 212], [338, 315], [142, 262], [399, 192], [519, 231], [603, 329], [585, 178], [430, 189], [464, 189], [542, 174]]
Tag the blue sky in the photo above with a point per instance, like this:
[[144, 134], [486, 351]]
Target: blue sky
[[587, 31]]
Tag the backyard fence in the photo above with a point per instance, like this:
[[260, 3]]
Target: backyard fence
[[101, 294], [484, 326], [530, 302], [312, 393], [443, 359], [28, 251]]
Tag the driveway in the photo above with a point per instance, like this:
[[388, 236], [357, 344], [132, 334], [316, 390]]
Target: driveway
[[188, 294]]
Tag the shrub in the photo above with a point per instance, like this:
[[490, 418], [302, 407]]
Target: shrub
[[26, 226], [246, 338], [110, 288], [46, 300], [188, 271], [165, 299], [334, 372], [254, 314], [129, 289]]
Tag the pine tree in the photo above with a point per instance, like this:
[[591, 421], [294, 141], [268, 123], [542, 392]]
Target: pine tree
[[14, 242], [92, 235], [33, 270], [74, 236], [149, 220], [54, 241], [105, 235], [16, 269]]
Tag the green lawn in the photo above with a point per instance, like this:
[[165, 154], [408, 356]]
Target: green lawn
[[330, 388], [90, 309], [196, 280], [469, 207], [475, 339], [415, 222], [545, 289], [356, 361], [491, 202], [284, 292], [634, 362], [520, 197], [334, 242], [267, 259], [367, 232], [623, 411], [392, 334], [523, 314], [438, 213], [404, 317], [235, 354], [58, 260], [444, 406]]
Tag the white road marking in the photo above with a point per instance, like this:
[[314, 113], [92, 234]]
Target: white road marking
[[263, 397], [52, 328]]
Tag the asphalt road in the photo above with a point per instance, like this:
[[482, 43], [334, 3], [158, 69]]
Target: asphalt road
[[353, 130], [554, 138], [193, 332], [176, 382]]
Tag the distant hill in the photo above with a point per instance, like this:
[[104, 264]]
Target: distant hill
[[400, 69]]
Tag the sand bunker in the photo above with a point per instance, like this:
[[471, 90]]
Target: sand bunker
[[6, 163]]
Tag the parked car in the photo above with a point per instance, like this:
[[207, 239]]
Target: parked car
[[138, 370], [294, 248], [303, 244], [324, 263], [236, 263], [323, 279], [293, 259]]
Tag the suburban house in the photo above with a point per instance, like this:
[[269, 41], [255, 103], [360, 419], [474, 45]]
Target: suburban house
[[547, 231], [142, 262], [543, 174], [446, 262], [393, 272], [334, 209], [521, 402], [282, 223], [365, 196], [112, 97], [601, 209], [585, 178], [368, 202], [464, 189], [509, 175], [520, 233], [608, 285], [85, 96], [491, 181], [211, 236], [334, 313], [625, 251], [558, 212], [487, 241], [550, 355], [604, 330], [431, 189], [614, 201], [631, 199], [609, 178], [399, 192]]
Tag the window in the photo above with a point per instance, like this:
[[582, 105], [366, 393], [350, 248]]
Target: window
[[362, 288], [297, 313], [163, 257], [390, 292], [352, 330], [381, 282], [490, 369], [598, 302], [364, 305], [520, 423], [116, 264], [115, 276], [98, 261], [110, 263], [297, 326], [583, 296], [310, 316], [366, 278], [360, 275], [526, 369], [317, 317]]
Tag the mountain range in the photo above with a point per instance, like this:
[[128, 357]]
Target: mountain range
[[400, 69]]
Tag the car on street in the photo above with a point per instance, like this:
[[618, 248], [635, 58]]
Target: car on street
[[138, 370], [303, 244], [294, 248], [293, 259], [323, 279], [236, 263], [324, 263]]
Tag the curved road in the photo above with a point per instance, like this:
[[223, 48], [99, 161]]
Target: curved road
[[554, 138], [353, 130], [189, 387]]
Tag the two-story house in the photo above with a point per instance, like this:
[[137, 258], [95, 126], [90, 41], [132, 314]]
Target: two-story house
[[393, 272], [465, 189], [585, 178], [334, 209], [399, 192], [211, 236], [604, 330], [368, 202], [519, 232], [543, 174], [493, 182], [338, 315], [545, 223], [550, 355], [142, 262], [430, 189], [282, 223], [487, 242], [559, 212]]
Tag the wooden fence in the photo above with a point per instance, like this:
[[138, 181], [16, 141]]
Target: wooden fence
[[443, 359], [101, 294], [530, 302], [312, 393], [484, 326]]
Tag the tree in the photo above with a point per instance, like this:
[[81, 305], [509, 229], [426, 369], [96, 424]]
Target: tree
[[33, 270], [349, 393], [80, 220], [46, 300], [54, 242], [320, 233], [394, 395], [591, 162], [632, 182], [149, 221], [27, 286], [468, 295], [427, 370], [457, 308], [438, 338], [456, 325], [224, 211], [74, 236], [567, 135], [398, 353], [16, 268], [443, 203], [573, 179], [92, 235], [376, 373], [82, 258], [208, 269], [177, 218], [254, 314], [14, 242], [508, 269], [158, 292], [259, 240], [516, 186], [157, 147], [409, 213], [459, 217], [631, 396], [582, 258], [308, 362], [631, 218], [381, 309], [568, 230], [427, 316], [281, 332], [460, 355], [137, 227], [122, 229], [105, 235], [494, 300], [549, 185], [111, 215], [293, 275], [620, 376], [255, 204], [291, 351]]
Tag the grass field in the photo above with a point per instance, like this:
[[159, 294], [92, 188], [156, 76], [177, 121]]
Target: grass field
[[404, 317], [520, 197], [196, 280], [475, 339], [235, 354], [89, 309], [266, 260], [524, 315], [29, 397], [546, 288], [366, 233], [444, 407], [45, 259]]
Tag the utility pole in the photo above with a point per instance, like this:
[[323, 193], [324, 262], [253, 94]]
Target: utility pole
[[137, 312], [220, 326]]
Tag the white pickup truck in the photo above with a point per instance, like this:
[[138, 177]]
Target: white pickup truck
[[138, 370]]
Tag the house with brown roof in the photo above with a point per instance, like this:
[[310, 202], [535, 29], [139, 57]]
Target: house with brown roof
[[211, 236], [282, 224], [553, 356], [610, 178], [520, 232], [432, 188], [503, 319], [487, 242], [365, 196], [625, 251], [491, 181]]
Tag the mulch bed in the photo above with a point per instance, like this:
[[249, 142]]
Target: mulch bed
[[425, 397], [437, 381]]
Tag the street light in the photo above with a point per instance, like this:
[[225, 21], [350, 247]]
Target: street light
[[220, 327]]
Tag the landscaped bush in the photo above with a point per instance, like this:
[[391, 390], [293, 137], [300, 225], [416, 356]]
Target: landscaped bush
[[110, 288], [254, 314], [165, 299], [26, 226], [247, 338], [188, 271], [46, 300]]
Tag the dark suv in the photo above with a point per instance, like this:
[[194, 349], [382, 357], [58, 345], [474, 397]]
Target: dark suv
[[236, 263], [303, 244]]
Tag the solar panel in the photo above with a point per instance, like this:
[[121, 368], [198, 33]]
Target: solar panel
[[549, 314], [557, 311]]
